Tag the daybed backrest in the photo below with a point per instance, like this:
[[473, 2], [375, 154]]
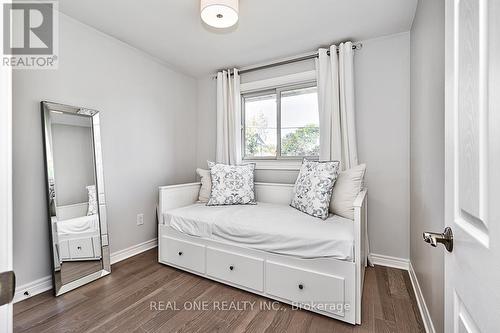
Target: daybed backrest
[[280, 194]]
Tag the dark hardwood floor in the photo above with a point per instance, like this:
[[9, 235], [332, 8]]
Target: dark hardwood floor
[[139, 296]]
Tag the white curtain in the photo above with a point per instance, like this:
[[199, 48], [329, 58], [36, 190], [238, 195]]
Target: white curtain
[[337, 122], [337, 131], [228, 118]]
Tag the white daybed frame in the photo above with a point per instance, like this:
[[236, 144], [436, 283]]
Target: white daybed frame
[[313, 284]]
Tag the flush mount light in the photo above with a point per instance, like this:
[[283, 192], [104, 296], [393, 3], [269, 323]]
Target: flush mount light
[[219, 13]]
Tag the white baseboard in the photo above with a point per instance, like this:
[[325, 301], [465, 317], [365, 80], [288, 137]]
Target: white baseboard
[[36, 287], [33, 288], [133, 250], [424, 311], [388, 261]]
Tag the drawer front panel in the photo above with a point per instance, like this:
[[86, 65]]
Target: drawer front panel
[[239, 269], [311, 289], [183, 254], [81, 248], [64, 250]]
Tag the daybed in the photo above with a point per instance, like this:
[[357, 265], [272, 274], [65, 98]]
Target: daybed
[[270, 249]]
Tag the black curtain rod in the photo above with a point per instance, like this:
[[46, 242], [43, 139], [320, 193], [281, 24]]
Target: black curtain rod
[[288, 61]]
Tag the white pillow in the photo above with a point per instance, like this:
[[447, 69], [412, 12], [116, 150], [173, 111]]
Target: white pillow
[[206, 185], [231, 184], [313, 188], [345, 190]]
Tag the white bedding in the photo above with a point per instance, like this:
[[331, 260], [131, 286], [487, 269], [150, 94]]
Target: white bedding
[[269, 227], [78, 225]]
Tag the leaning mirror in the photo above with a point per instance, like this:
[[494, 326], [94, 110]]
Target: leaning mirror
[[75, 195]]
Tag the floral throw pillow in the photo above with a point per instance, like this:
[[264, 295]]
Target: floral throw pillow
[[314, 186], [231, 184], [92, 204]]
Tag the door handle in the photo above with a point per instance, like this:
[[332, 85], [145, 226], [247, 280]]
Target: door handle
[[7, 287], [446, 238]]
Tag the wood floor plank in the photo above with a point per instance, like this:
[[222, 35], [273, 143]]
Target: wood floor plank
[[123, 317], [32, 319], [300, 322], [122, 302], [406, 321], [371, 296], [239, 324], [367, 319], [384, 326], [281, 320], [397, 286], [261, 321], [384, 294], [99, 308], [321, 324], [33, 302], [413, 299], [179, 290], [171, 320], [211, 319]]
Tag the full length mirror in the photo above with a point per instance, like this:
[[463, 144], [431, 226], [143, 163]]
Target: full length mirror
[[75, 195]]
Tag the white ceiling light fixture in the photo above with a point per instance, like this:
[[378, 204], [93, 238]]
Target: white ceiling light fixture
[[219, 13]]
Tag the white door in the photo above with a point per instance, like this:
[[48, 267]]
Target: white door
[[5, 188], [472, 165]]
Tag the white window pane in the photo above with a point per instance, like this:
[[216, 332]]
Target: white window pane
[[300, 122], [260, 126]]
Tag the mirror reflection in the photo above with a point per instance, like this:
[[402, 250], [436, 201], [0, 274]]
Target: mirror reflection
[[73, 193]]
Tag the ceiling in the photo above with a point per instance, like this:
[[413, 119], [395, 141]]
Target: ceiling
[[172, 31]]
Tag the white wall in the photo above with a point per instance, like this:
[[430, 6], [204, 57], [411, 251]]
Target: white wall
[[427, 152], [382, 70], [148, 123], [382, 76]]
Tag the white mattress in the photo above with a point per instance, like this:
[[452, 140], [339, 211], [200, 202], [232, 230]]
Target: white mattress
[[274, 228]]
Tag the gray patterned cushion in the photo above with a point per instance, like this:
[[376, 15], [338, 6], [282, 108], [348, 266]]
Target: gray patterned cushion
[[231, 184], [314, 186], [92, 204]]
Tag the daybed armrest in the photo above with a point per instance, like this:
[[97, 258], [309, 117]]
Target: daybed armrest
[[361, 245], [175, 196], [358, 202]]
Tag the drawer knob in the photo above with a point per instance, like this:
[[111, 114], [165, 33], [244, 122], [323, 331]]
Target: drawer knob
[[79, 247], [301, 286], [180, 253], [231, 267]]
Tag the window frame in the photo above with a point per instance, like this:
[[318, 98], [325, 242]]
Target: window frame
[[268, 91]]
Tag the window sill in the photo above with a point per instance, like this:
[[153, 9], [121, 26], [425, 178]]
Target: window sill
[[290, 165]]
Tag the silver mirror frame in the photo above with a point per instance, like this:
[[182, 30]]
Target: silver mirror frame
[[47, 107]]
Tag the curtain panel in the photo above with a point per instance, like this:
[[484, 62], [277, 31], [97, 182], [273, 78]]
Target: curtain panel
[[337, 121], [335, 79], [228, 118]]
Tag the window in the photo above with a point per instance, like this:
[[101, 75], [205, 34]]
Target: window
[[281, 123]]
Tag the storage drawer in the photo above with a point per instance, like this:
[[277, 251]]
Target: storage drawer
[[239, 269], [183, 254], [81, 248], [311, 289]]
